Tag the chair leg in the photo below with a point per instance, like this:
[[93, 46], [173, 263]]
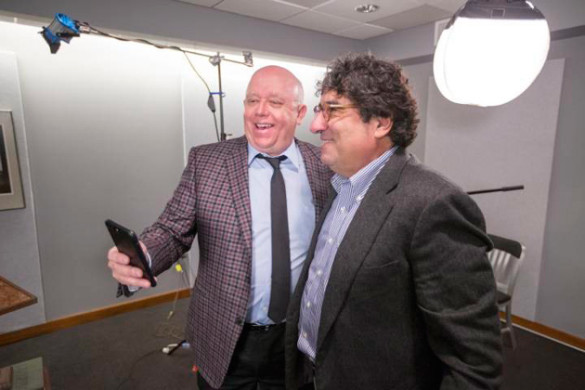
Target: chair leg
[[509, 325]]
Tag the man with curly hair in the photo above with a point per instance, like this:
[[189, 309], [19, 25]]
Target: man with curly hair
[[397, 291]]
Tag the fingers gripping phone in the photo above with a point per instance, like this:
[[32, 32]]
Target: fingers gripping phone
[[127, 243]]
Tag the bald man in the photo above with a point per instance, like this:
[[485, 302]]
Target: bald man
[[226, 197]]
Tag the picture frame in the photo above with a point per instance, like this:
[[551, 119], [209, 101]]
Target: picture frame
[[11, 193]]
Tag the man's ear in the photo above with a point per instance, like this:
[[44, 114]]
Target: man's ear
[[301, 114], [383, 127]]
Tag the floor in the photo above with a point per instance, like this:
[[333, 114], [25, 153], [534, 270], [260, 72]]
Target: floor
[[124, 352]]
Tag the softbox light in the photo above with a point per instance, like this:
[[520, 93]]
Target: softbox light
[[490, 52]]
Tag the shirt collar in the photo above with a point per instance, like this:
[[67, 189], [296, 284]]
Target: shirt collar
[[292, 153], [361, 180]]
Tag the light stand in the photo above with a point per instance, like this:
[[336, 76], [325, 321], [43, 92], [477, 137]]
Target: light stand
[[216, 61]]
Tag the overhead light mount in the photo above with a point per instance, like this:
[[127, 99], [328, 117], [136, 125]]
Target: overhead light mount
[[367, 8]]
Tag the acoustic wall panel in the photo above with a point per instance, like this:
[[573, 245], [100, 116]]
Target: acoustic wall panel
[[484, 148]]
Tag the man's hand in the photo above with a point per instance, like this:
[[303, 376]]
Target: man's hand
[[125, 273]]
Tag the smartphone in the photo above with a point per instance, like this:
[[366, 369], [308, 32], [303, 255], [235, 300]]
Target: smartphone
[[127, 242]]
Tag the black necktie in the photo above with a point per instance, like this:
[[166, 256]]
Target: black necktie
[[280, 286]]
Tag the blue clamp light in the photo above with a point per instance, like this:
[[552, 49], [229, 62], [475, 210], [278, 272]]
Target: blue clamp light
[[62, 28]]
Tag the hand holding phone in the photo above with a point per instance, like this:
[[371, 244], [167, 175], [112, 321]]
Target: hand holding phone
[[127, 243]]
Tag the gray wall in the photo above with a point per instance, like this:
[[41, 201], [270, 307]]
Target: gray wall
[[500, 146], [19, 254], [104, 141], [562, 278]]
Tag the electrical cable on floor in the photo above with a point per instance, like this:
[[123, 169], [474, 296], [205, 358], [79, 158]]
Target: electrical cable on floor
[[134, 366]]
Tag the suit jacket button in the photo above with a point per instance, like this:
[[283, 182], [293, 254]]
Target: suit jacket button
[[239, 321]]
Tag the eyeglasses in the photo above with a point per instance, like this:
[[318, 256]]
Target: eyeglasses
[[328, 110]]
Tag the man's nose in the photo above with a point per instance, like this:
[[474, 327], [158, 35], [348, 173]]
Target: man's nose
[[262, 108], [318, 124]]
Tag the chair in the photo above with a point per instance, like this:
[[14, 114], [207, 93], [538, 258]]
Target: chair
[[506, 258]]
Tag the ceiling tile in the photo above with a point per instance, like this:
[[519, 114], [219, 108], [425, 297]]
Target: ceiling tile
[[413, 17], [305, 3], [263, 9], [363, 31], [206, 3], [320, 22], [346, 8]]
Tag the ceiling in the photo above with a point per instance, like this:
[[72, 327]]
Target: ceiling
[[338, 17]]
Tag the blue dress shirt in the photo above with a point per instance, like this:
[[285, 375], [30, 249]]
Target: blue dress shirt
[[350, 192], [301, 223]]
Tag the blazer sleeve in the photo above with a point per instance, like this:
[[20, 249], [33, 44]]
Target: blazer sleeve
[[456, 291], [173, 232]]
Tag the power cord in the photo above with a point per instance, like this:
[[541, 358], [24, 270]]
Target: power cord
[[134, 366], [210, 100], [165, 329]]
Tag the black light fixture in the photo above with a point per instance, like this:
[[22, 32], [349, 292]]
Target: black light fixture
[[62, 28], [367, 8], [491, 51]]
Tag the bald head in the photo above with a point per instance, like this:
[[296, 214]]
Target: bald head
[[287, 79], [273, 109]]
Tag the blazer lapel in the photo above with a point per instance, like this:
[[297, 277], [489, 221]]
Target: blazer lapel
[[313, 166], [361, 234], [237, 172]]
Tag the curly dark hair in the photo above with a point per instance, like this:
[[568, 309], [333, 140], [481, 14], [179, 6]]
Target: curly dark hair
[[379, 88]]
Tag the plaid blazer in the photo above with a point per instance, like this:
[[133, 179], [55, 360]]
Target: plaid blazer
[[212, 201]]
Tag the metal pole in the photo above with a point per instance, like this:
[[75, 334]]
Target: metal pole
[[222, 132], [503, 189]]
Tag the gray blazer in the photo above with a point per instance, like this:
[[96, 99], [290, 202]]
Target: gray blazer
[[410, 302]]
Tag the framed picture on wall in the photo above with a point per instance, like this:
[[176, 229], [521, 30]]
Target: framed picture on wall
[[11, 195]]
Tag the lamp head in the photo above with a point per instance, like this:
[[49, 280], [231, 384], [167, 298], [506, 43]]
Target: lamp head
[[499, 9], [62, 28], [491, 51]]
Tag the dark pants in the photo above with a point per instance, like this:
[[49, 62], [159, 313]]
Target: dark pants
[[257, 362]]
